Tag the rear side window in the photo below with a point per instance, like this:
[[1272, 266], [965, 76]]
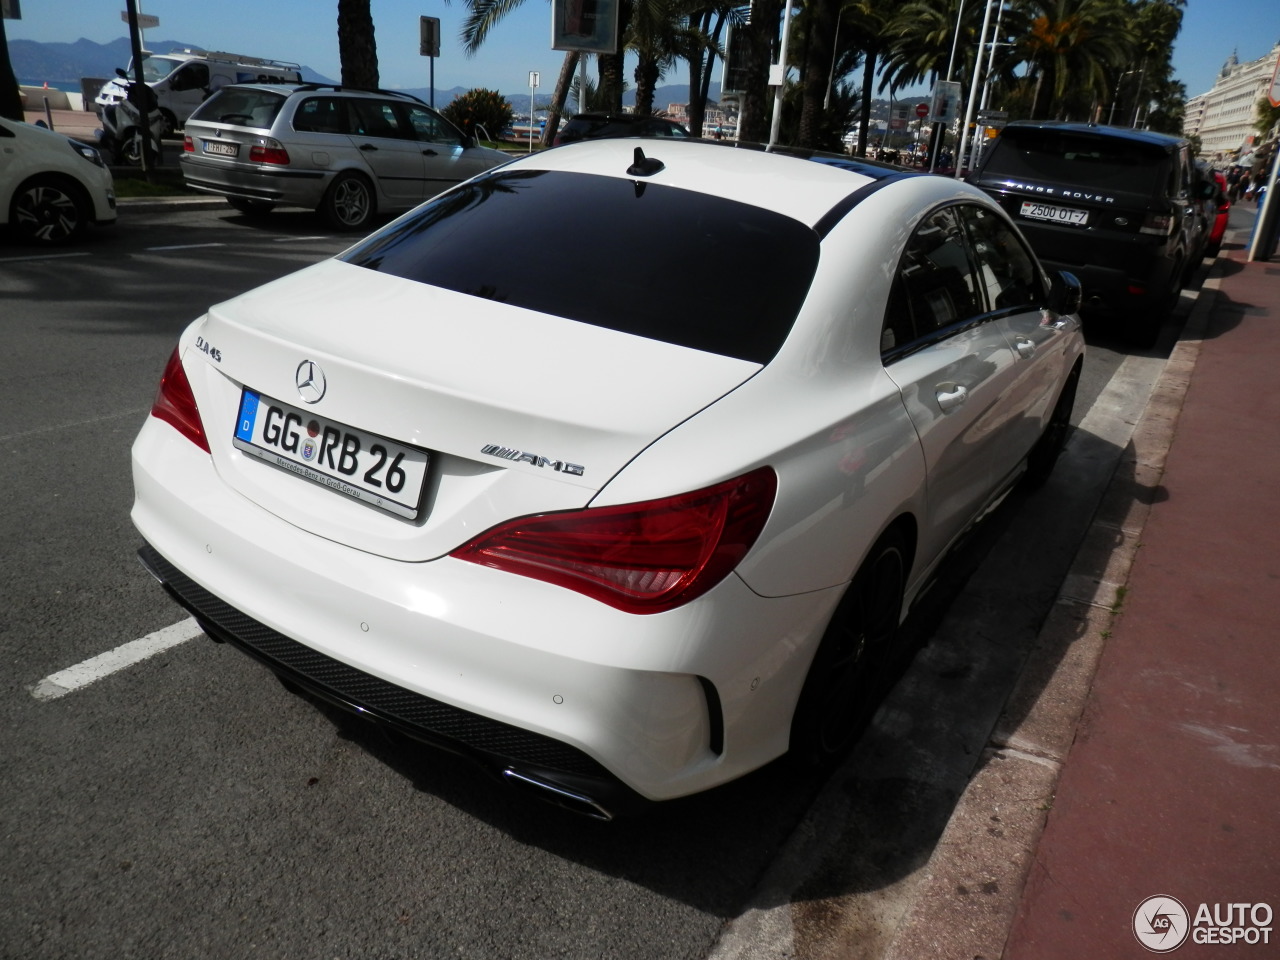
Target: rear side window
[[321, 115], [936, 286], [1006, 271], [1057, 156], [607, 251], [246, 108]]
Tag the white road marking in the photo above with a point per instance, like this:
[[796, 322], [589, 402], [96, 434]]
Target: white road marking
[[45, 256], [104, 664], [187, 246]]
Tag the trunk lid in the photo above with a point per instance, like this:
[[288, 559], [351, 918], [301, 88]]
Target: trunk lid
[[508, 402]]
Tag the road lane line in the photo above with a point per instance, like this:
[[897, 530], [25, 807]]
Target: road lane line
[[44, 256], [186, 246], [104, 664]]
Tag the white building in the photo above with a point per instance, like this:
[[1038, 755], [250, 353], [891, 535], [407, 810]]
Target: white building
[[1224, 117]]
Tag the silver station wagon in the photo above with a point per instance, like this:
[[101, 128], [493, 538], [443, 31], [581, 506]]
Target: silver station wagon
[[348, 154]]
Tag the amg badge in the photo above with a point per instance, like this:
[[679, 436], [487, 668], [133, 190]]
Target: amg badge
[[522, 456]]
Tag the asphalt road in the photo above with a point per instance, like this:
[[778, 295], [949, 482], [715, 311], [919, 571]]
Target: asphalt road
[[189, 806]]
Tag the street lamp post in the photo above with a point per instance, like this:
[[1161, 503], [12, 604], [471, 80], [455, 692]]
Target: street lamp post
[[973, 90]]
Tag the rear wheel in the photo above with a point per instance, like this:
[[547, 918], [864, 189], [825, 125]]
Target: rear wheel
[[1045, 453], [251, 208], [1144, 329], [49, 210], [349, 202], [847, 677]]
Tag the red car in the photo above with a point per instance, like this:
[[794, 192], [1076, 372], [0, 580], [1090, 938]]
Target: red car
[[1220, 217]]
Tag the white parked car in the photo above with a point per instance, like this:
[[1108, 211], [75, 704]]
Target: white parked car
[[508, 475], [51, 187]]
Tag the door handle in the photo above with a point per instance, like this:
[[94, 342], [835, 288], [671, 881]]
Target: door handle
[[1026, 349], [368, 146], [951, 396], [429, 153]]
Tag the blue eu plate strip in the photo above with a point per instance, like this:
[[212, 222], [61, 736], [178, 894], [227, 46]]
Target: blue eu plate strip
[[248, 414]]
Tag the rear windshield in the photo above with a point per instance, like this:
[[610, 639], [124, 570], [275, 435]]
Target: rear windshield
[[646, 259], [1109, 163], [237, 105]]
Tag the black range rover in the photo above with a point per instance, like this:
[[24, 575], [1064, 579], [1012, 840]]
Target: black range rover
[[1119, 208]]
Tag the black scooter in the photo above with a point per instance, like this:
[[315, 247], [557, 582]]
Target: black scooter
[[121, 136]]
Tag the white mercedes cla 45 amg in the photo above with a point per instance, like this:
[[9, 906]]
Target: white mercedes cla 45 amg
[[615, 472]]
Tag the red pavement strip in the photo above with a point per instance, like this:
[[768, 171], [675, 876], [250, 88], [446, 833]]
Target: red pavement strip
[[1172, 786]]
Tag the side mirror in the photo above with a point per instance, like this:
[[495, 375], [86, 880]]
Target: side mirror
[[121, 74], [1065, 293]]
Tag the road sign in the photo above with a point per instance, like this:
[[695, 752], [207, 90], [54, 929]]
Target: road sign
[[1274, 93], [946, 101], [145, 20], [922, 110], [429, 36]]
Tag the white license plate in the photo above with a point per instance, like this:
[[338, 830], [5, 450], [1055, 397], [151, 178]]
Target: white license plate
[[220, 148], [364, 466], [1045, 211]]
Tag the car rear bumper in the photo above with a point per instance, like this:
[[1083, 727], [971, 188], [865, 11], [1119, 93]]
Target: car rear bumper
[[533, 680], [303, 188]]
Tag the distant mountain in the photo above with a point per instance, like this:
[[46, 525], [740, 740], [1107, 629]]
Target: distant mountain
[[68, 62]]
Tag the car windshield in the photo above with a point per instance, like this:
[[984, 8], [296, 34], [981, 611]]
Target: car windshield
[[241, 106], [1109, 163], [651, 260], [157, 68]]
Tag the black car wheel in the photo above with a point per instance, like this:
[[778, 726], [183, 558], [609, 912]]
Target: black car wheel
[[49, 210], [846, 680], [1045, 453], [349, 203]]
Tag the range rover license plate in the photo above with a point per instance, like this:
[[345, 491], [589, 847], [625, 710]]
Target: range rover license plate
[[1045, 211], [364, 466]]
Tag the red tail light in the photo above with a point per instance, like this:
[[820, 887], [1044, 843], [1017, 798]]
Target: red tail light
[[639, 557], [176, 405], [188, 145], [267, 150]]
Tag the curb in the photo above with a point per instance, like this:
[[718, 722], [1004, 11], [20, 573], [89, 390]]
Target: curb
[[155, 204], [971, 887]]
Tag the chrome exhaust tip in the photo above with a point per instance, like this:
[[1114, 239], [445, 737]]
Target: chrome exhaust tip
[[558, 795]]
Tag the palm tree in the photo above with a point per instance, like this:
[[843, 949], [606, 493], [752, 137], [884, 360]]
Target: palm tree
[[1075, 48]]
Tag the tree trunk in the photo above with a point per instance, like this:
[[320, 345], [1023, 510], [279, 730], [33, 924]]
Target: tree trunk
[[646, 74], [561, 95], [817, 70], [753, 122], [357, 49], [10, 98], [869, 57]]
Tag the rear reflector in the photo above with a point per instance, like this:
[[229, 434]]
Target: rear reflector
[[175, 404], [638, 557]]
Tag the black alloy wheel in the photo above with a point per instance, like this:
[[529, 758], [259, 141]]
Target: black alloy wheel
[[846, 680], [49, 210], [1045, 453]]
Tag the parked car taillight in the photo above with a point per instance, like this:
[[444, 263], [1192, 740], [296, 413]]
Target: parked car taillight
[[175, 404], [639, 557], [267, 150], [188, 145], [1157, 224]]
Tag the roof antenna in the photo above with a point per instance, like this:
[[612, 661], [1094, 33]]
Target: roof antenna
[[644, 166]]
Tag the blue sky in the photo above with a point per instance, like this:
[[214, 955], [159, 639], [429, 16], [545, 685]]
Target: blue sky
[[305, 31]]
